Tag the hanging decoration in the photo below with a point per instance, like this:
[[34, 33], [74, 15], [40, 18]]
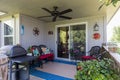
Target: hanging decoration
[[96, 27], [96, 36], [36, 31], [22, 29], [50, 32]]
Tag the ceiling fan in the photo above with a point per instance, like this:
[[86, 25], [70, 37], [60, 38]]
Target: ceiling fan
[[55, 13]]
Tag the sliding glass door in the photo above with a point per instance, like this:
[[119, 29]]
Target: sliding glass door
[[71, 37]]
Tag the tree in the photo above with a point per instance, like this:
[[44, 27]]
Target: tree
[[108, 2], [116, 34]]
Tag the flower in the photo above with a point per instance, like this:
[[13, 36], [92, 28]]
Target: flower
[[30, 49], [74, 51], [79, 67]]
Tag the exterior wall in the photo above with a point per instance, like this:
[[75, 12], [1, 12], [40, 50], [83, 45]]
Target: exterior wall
[[28, 39], [90, 23]]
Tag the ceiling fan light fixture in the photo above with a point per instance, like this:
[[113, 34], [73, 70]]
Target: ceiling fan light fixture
[[55, 13]]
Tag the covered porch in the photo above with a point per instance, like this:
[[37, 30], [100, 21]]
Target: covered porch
[[87, 28]]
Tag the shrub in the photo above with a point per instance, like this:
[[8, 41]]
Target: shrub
[[96, 70]]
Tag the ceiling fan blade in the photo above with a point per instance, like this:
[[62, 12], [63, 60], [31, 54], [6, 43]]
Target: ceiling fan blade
[[44, 16], [47, 10], [54, 18], [65, 11], [65, 17]]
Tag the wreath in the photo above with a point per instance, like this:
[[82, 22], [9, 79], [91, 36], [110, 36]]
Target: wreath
[[96, 36]]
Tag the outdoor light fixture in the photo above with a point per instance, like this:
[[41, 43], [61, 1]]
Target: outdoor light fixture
[[96, 27]]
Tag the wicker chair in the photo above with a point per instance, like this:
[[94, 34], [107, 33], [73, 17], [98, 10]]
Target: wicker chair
[[94, 53]]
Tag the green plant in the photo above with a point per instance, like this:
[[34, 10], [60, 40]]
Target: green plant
[[96, 70], [108, 2], [29, 50]]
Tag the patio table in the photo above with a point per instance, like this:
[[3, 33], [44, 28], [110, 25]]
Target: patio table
[[3, 67]]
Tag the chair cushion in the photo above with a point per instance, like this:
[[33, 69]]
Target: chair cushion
[[87, 57], [35, 52], [49, 56]]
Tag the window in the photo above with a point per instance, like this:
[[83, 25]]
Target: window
[[8, 32]]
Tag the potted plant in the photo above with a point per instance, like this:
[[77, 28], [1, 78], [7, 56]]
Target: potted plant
[[96, 70]]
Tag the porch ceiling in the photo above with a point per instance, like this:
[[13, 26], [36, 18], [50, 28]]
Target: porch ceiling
[[81, 8]]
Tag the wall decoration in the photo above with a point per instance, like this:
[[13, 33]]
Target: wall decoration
[[96, 36], [36, 31], [50, 32], [22, 29], [96, 27]]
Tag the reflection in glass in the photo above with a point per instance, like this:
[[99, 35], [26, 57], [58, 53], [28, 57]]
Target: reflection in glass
[[8, 40], [78, 39], [63, 42], [8, 30], [71, 38]]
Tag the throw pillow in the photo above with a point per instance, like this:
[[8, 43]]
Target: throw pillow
[[43, 50], [36, 52], [47, 51]]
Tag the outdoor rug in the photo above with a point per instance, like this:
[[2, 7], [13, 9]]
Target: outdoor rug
[[55, 71]]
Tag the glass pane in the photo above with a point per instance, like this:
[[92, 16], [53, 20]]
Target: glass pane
[[8, 40], [8, 30], [77, 40], [8, 27], [63, 42]]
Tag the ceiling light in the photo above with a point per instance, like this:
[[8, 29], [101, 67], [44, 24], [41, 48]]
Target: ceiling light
[[2, 13]]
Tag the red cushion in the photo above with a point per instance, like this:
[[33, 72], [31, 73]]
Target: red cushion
[[49, 56], [42, 57], [87, 57]]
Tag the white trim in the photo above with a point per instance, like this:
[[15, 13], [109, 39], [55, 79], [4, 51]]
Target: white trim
[[69, 41], [2, 34], [86, 38], [63, 25]]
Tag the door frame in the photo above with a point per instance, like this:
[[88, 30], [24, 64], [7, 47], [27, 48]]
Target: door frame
[[63, 25]]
